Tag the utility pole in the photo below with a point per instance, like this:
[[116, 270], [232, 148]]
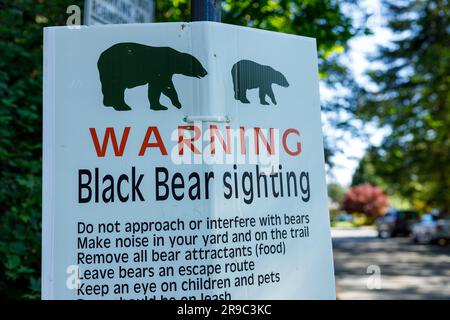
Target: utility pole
[[205, 10]]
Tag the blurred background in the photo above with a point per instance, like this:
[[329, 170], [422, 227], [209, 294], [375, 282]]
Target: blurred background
[[385, 74]]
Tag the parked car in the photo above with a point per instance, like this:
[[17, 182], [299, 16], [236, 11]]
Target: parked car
[[344, 217], [431, 229], [396, 222]]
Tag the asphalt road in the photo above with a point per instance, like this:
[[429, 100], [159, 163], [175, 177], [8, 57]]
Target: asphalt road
[[370, 268]]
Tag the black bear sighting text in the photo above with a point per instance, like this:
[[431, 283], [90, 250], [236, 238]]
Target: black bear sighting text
[[99, 187]]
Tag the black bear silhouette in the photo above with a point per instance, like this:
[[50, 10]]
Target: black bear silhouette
[[128, 65], [248, 74]]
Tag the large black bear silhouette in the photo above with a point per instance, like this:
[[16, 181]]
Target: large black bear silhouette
[[128, 65], [248, 74]]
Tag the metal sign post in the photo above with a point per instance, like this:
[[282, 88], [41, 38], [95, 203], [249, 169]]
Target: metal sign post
[[205, 10]]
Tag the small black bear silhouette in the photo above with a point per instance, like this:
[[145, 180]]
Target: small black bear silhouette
[[250, 75], [128, 65]]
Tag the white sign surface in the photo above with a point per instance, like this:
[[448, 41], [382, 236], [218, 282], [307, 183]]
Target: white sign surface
[[118, 11], [183, 161]]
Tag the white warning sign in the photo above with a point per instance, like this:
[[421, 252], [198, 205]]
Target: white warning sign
[[182, 165]]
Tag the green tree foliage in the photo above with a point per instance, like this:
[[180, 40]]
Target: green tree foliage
[[366, 172], [21, 26], [412, 99], [21, 23], [336, 192]]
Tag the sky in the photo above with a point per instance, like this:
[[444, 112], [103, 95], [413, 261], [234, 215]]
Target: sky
[[360, 47]]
